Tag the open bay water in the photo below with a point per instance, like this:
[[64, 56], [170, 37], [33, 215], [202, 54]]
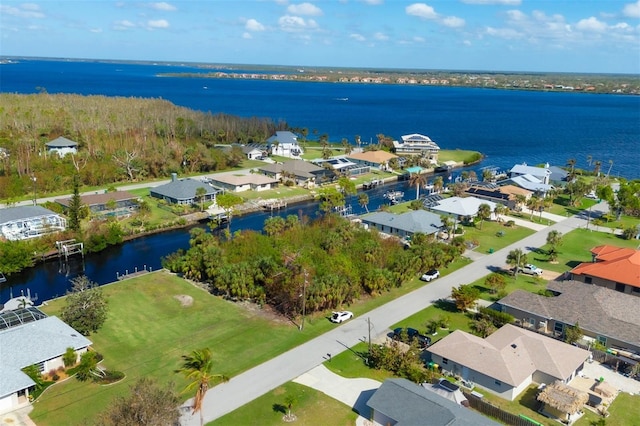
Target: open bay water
[[507, 126]]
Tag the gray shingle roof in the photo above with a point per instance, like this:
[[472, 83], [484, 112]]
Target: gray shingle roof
[[32, 343], [412, 222], [183, 189], [597, 309], [283, 137], [298, 167], [22, 212], [61, 142], [409, 404]]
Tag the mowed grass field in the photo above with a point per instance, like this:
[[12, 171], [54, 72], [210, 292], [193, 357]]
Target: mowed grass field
[[147, 332]]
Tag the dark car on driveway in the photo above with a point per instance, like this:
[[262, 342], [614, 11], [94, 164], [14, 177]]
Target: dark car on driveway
[[408, 335]]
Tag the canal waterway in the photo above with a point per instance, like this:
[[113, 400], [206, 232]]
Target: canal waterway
[[51, 279]]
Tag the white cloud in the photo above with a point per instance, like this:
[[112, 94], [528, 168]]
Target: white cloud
[[290, 23], [507, 33], [123, 25], [96, 30], [26, 10], [421, 10], [253, 25], [358, 37], [516, 15], [247, 36], [419, 39], [467, 42], [632, 10], [591, 24], [381, 36], [163, 6], [453, 22], [373, 2], [499, 2], [306, 9], [157, 24]]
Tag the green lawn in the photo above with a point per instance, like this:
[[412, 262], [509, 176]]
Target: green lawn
[[311, 408], [625, 410], [457, 155], [487, 235]]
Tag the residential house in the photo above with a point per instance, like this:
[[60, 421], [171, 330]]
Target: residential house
[[509, 360], [378, 159], [617, 268], [184, 191], [559, 176], [516, 193], [342, 165], [461, 208], [24, 222], [401, 402], [302, 172], [404, 225], [254, 152], [540, 173], [241, 183], [603, 315], [530, 183], [494, 195], [417, 144], [62, 146], [29, 337], [124, 203], [284, 144]]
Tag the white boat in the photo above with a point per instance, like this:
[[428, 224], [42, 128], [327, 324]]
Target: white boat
[[394, 197]]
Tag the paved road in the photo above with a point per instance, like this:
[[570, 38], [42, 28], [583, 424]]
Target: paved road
[[247, 386]]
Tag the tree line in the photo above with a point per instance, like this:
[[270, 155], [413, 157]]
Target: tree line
[[329, 260], [120, 139]]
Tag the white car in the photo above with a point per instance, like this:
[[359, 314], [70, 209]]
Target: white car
[[530, 270], [430, 275], [341, 316]]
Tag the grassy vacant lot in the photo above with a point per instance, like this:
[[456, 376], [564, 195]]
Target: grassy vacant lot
[[486, 235], [148, 330], [311, 408], [457, 155]]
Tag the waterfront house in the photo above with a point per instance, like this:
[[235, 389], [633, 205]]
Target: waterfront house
[[528, 182], [118, 203], [461, 208], [509, 360], [404, 225], [184, 191], [378, 159], [401, 402], [284, 144], [62, 146], [29, 337], [417, 144], [241, 183], [302, 172], [254, 152], [616, 268], [604, 315], [24, 222], [543, 174]]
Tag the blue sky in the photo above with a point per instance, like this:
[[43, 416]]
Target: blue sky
[[500, 35]]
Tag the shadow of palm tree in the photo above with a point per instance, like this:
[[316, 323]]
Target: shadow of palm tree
[[279, 408]]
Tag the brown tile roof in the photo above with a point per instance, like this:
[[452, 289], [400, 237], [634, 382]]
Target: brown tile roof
[[613, 263], [511, 354], [597, 309], [99, 199], [373, 156], [514, 190]]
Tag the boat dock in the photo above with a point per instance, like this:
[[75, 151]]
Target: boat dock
[[272, 204]]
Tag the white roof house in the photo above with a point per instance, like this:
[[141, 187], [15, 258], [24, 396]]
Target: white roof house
[[542, 174], [21, 223], [240, 183], [41, 342], [461, 206], [528, 182], [417, 144]]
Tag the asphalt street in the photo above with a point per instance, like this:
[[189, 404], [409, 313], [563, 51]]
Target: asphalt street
[[255, 382]]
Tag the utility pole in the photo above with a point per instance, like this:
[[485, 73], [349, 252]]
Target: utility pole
[[34, 179], [304, 297], [369, 326]]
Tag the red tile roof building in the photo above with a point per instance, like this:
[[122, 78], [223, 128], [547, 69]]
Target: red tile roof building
[[613, 267]]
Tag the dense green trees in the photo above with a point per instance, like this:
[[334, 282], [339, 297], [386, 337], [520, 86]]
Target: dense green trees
[[339, 261], [119, 139]]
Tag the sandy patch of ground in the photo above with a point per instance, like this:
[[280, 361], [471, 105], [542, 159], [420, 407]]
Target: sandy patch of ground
[[184, 299]]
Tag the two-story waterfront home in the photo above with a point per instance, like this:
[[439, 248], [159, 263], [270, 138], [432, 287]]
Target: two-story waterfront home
[[417, 144]]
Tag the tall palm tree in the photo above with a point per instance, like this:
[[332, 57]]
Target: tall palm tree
[[363, 200], [610, 166], [589, 159], [417, 180], [438, 184], [197, 367], [571, 162], [596, 168], [484, 212]]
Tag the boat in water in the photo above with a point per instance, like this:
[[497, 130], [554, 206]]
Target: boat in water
[[394, 197]]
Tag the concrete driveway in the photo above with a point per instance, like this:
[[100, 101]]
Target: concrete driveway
[[352, 392]]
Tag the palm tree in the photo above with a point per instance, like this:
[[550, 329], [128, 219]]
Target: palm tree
[[358, 141], [596, 168], [499, 210], [516, 258], [589, 159], [438, 184], [610, 166], [198, 367], [417, 180], [200, 193], [571, 162], [484, 212], [363, 200]]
